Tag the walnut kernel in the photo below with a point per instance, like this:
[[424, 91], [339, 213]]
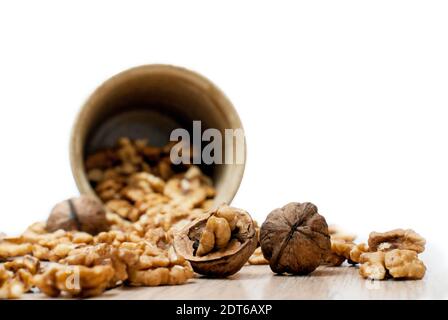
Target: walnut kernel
[[404, 264]]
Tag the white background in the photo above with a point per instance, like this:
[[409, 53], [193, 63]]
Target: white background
[[344, 102]]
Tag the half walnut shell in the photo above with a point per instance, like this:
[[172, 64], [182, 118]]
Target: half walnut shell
[[223, 262]]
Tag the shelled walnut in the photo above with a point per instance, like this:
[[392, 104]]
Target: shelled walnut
[[9, 249], [295, 239], [257, 258], [357, 251], [339, 252], [155, 267], [372, 265], [337, 233], [45, 246], [404, 264], [96, 255], [29, 263], [75, 281], [10, 286], [16, 276], [218, 244], [393, 254], [397, 239], [344, 250]]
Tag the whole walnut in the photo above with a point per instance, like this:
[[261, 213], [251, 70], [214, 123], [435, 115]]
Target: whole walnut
[[295, 239], [84, 213]]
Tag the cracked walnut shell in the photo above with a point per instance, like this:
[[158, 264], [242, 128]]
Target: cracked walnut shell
[[295, 239], [218, 244]]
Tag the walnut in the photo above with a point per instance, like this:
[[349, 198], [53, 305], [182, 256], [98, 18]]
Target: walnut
[[184, 193], [100, 254], [216, 235], [16, 276], [109, 188], [116, 237], [357, 251], [28, 263], [295, 239], [397, 239], [24, 268], [142, 184], [219, 243], [334, 260], [155, 269], [148, 265], [10, 286], [116, 222], [81, 238], [44, 246], [257, 258], [74, 281], [340, 251], [336, 233], [159, 237], [147, 182], [10, 249], [404, 264], [84, 213], [55, 246], [372, 265], [342, 248], [101, 160], [123, 208]]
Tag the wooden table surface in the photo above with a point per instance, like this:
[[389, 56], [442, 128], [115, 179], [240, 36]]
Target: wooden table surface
[[258, 282]]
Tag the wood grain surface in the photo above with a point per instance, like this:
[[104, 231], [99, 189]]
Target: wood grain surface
[[258, 282]]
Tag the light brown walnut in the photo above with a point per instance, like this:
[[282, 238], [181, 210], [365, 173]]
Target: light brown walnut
[[257, 258], [216, 235], [155, 267], [397, 239], [404, 264], [337, 233], [100, 254], [340, 252], [28, 263], [10, 249], [372, 265], [10, 286], [74, 281], [357, 251]]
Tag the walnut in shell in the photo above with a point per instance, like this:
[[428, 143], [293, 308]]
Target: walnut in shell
[[295, 239], [84, 213], [219, 243]]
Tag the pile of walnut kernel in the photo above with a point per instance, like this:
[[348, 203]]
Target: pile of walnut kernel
[[147, 200], [392, 254], [139, 185]]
